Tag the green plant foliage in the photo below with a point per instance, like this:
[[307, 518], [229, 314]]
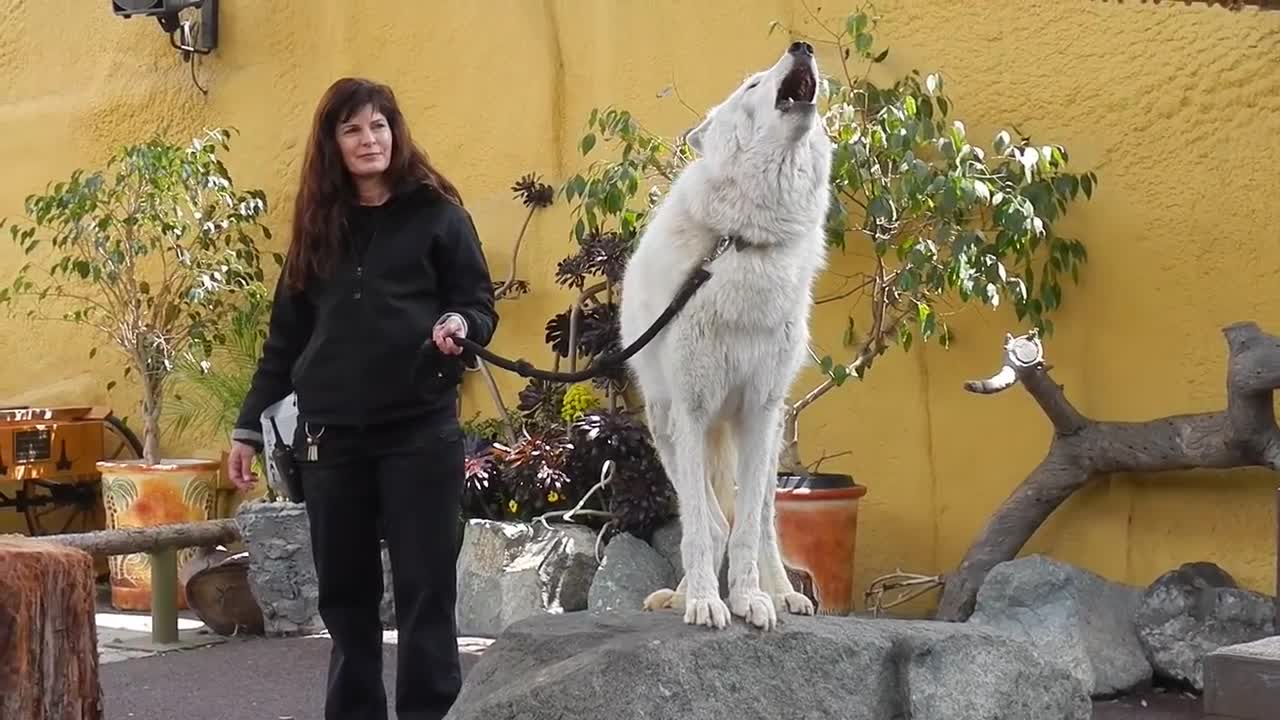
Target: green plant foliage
[[209, 389], [639, 495], [944, 215], [153, 251], [936, 218]]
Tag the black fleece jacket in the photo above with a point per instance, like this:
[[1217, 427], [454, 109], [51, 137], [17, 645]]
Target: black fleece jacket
[[349, 344]]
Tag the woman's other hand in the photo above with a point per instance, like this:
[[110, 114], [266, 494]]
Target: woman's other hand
[[240, 465]]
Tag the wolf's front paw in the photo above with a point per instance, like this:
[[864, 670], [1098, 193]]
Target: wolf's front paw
[[794, 603], [756, 607], [709, 611], [664, 599]]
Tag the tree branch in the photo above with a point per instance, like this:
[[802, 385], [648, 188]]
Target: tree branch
[[1243, 435], [506, 287], [575, 312]]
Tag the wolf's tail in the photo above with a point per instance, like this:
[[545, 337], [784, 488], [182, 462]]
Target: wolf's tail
[[722, 463]]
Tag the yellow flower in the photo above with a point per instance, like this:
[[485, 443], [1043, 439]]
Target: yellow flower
[[577, 400], [553, 496], [513, 506]]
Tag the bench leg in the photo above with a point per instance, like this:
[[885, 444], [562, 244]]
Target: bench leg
[[164, 595]]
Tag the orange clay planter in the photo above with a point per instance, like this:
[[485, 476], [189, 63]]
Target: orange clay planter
[[138, 495], [817, 518]]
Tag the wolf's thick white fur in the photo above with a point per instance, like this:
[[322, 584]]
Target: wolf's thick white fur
[[715, 380]]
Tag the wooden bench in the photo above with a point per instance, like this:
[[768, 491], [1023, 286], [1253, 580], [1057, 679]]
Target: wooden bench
[[161, 543]]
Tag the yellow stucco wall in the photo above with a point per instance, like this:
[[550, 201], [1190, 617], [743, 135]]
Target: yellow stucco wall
[[1176, 107]]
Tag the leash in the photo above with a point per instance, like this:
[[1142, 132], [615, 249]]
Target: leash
[[524, 368]]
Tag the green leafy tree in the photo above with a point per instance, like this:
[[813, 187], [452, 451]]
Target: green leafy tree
[[153, 252], [941, 216]]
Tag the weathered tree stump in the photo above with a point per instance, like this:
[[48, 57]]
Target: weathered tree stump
[[48, 639]]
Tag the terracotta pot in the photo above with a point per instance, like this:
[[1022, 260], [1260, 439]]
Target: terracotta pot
[[817, 518], [139, 495]]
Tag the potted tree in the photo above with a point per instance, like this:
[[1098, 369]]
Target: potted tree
[[152, 252], [943, 218]]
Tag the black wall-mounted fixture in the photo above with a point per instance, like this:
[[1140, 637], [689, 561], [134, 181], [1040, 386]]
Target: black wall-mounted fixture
[[200, 38]]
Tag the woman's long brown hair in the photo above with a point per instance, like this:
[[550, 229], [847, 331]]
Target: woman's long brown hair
[[326, 191]]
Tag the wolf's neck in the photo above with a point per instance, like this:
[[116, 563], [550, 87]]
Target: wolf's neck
[[767, 199]]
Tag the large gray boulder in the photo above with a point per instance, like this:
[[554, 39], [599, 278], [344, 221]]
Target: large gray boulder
[[630, 570], [1193, 610], [282, 571], [633, 665], [1081, 618], [509, 571], [666, 540]]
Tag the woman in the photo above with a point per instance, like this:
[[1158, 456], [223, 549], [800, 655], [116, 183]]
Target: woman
[[383, 256]]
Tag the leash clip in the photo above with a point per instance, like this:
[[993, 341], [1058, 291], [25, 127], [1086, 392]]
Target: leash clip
[[721, 246]]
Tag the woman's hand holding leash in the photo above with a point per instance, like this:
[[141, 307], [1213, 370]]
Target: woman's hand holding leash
[[448, 327]]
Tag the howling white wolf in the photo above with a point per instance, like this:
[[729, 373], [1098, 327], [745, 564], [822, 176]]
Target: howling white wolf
[[715, 380]]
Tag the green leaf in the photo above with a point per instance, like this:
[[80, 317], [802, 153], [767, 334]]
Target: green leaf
[[982, 191], [850, 334], [588, 142], [856, 23], [881, 56], [1002, 142], [862, 42], [923, 312], [839, 374]]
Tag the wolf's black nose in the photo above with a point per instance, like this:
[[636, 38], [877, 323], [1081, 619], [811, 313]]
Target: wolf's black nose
[[800, 48]]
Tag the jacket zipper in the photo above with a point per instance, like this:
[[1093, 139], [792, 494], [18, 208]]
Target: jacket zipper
[[359, 291]]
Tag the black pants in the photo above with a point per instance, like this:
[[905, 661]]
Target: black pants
[[403, 481]]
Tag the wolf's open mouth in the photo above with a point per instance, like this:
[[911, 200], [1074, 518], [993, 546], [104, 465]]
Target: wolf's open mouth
[[799, 86]]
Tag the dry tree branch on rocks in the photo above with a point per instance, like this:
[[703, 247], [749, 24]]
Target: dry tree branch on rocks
[[1244, 434]]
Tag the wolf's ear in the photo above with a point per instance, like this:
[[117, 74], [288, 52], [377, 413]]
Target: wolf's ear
[[695, 136]]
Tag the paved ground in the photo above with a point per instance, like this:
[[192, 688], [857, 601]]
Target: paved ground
[[251, 679], [1150, 705]]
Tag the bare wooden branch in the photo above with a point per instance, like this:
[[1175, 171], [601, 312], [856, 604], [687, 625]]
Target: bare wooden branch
[[508, 430], [507, 288], [149, 539], [1243, 435]]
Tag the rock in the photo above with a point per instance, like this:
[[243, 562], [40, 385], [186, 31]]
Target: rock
[[1192, 611], [631, 569], [510, 571], [632, 665], [666, 540], [282, 572], [1078, 617]]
